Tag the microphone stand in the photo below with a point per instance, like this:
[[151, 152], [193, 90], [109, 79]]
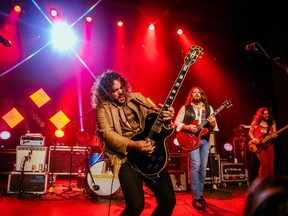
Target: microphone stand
[[72, 145], [273, 60]]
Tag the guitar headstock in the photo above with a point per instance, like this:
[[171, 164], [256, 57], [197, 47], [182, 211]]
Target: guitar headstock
[[227, 103], [193, 55]]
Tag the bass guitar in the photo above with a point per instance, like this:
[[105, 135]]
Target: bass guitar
[[256, 148], [156, 131], [190, 141]]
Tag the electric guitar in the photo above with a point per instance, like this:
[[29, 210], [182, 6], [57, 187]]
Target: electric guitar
[[190, 141], [156, 131], [263, 142]]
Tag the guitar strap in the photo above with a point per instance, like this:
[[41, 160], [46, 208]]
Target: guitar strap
[[190, 116], [139, 102]]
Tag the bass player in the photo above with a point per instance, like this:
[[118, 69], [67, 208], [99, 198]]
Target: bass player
[[263, 124]]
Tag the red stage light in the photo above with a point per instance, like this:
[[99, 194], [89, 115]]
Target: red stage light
[[179, 31], [120, 23], [89, 19]]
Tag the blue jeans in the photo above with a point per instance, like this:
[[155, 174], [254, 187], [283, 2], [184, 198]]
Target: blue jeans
[[131, 183], [198, 164]]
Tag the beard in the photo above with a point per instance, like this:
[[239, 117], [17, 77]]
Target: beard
[[197, 99]]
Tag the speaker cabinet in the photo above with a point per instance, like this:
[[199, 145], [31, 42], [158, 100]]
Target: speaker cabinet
[[31, 158], [7, 160], [178, 162], [28, 182], [213, 170], [60, 158], [179, 180]]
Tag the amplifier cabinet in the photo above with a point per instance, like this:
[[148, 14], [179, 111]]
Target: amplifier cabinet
[[35, 158], [234, 172], [179, 180], [32, 182], [7, 160], [60, 158], [178, 162], [213, 169]]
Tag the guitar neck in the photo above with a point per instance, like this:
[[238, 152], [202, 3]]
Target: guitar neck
[[189, 60], [213, 114], [277, 132]]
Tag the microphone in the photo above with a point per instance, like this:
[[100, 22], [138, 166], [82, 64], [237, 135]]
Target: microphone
[[251, 46], [5, 42]]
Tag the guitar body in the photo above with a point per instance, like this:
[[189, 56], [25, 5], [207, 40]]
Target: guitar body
[[153, 164], [190, 141], [155, 130], [256, 148]]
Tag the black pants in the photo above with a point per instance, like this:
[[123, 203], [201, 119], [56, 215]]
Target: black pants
[[132, 187]]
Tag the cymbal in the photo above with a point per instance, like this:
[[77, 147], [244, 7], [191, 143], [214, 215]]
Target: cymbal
[[87, 138]]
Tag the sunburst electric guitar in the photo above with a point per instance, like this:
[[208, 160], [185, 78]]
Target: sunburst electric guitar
[[191, 141], [155, 129], [263, 142]]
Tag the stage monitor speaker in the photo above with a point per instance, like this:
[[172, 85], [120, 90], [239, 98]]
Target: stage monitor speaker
[[33, 182], [60, 156]]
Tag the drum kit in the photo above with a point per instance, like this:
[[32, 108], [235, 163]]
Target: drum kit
[[99, 176]]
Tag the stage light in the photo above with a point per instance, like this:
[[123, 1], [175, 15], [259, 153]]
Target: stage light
[[120, 23], [228, 152], [17, 8], [62, 36], [89, 19], [179, 31], [53, 12], [151, 27], [4, 135], [59, 133], [175, 142]]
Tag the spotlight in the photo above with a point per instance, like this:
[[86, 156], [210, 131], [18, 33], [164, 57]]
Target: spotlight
[[62, 36], [59, 133], [120, 24], [4, 135], [89, 19], [179, 31], [151, 27], [53, 12], [17, 8], [228, 152]]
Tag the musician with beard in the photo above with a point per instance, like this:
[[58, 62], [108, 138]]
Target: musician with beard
[[197, 109], [121, 116], [263, 124]]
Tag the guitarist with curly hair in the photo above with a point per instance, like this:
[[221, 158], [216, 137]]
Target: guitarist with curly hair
[[263, 126]]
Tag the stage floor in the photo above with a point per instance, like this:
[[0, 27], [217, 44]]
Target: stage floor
[[67, 196]]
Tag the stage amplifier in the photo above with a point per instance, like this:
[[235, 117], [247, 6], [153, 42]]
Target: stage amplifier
[[32, 139], [27, 182], [33, 158]]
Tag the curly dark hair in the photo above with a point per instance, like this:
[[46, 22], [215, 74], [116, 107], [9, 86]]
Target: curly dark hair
[[259, 115], [189, 97], [102, 86]]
